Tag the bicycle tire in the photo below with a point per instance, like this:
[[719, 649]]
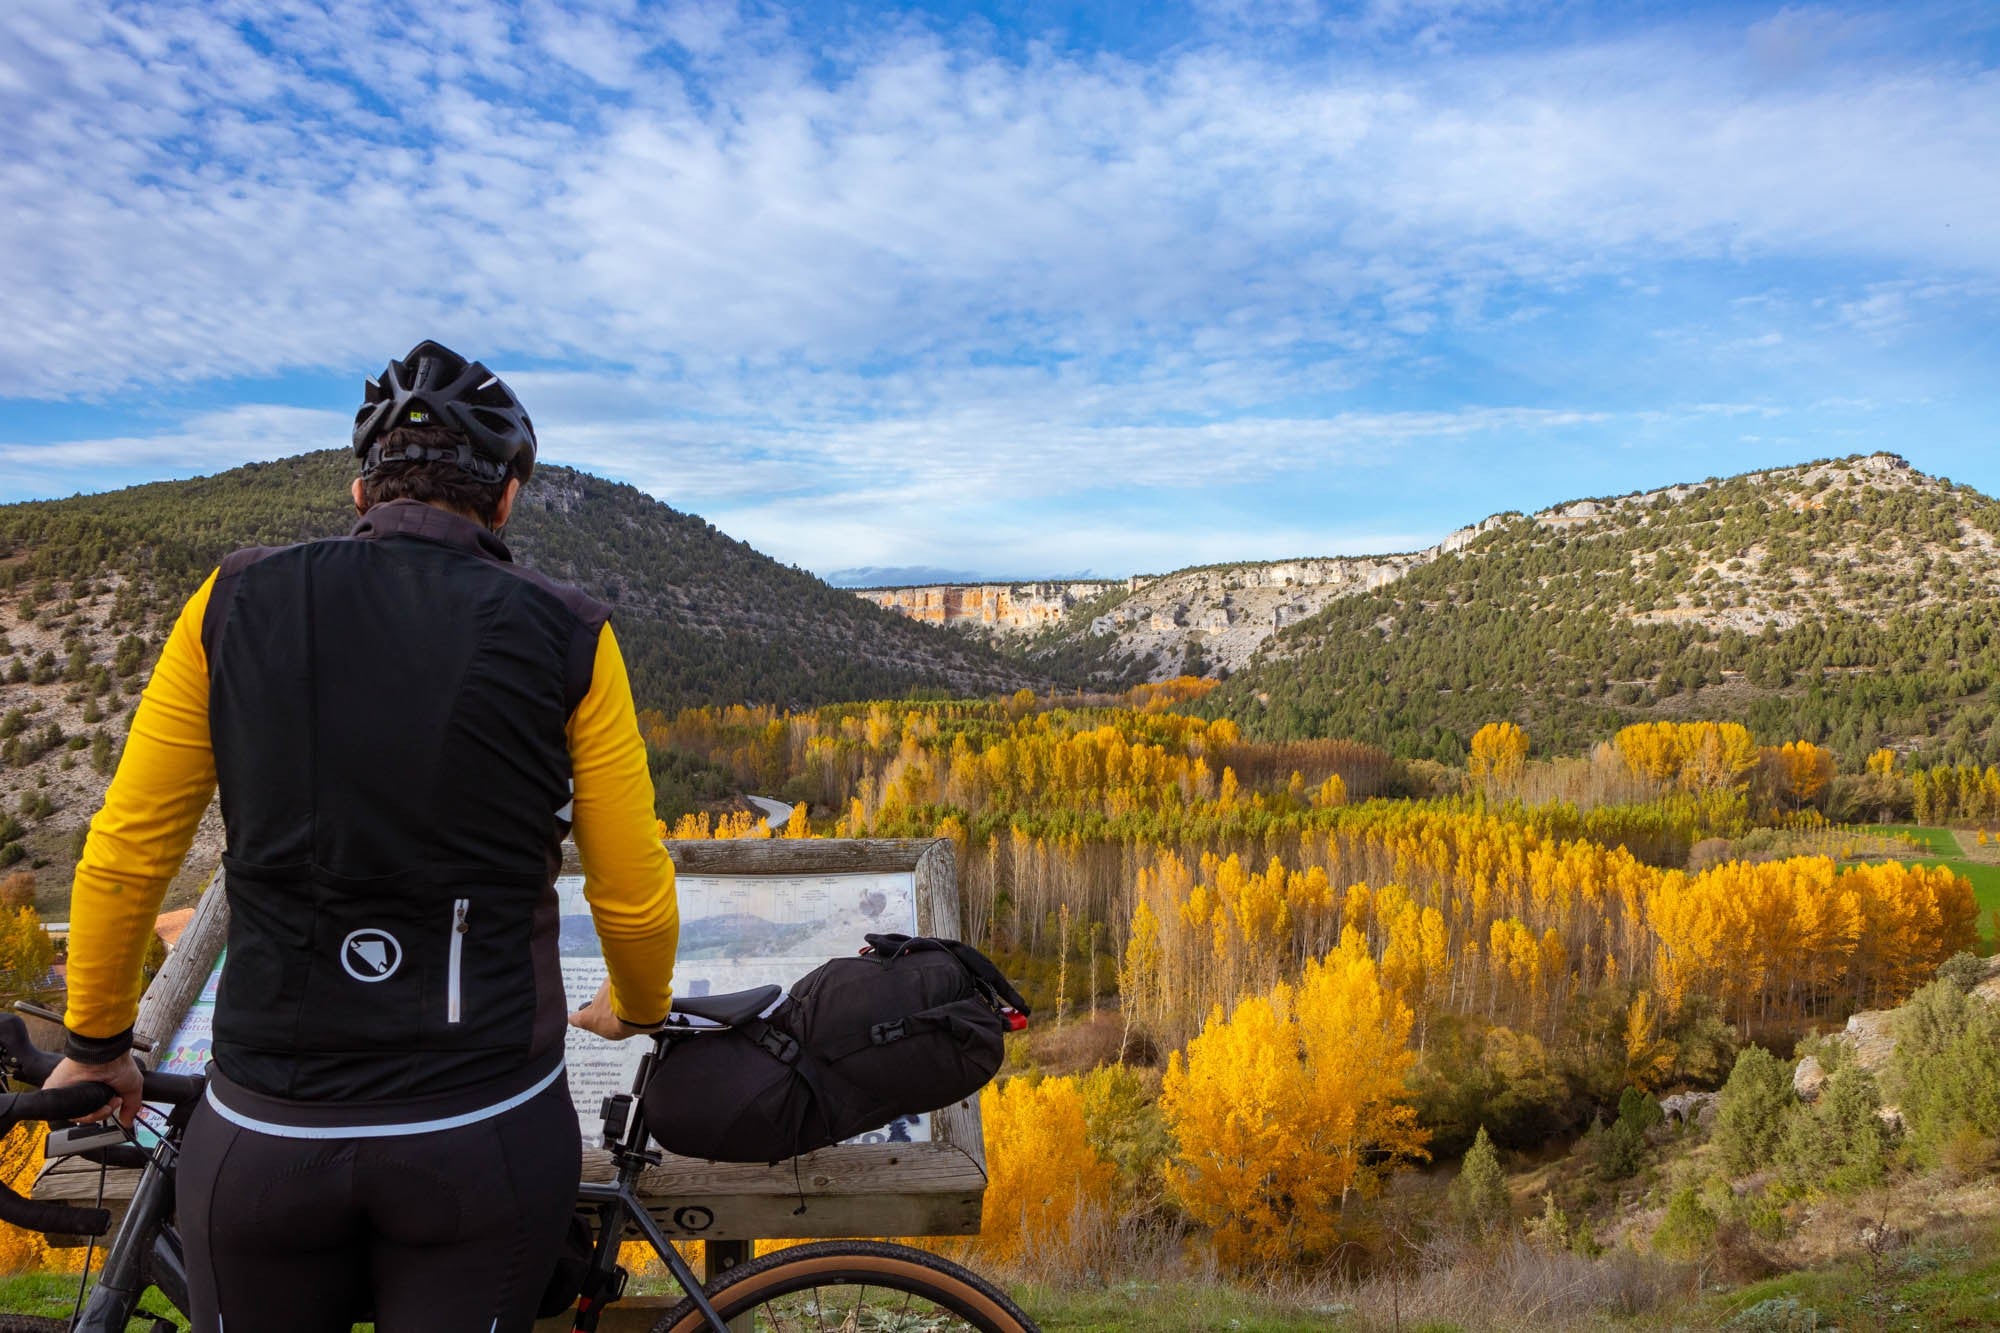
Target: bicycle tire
[[763, 1284]]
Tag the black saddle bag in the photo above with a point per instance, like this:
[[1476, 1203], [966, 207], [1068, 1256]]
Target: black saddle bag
[[908, 1026]]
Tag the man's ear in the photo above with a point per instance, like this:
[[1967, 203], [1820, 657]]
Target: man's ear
[[506, 505], [360, 503]]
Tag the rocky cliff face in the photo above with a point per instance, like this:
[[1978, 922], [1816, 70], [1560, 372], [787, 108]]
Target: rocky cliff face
[[1203, 618], [1004, 608]]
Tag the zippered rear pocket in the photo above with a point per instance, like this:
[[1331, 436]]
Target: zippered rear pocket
[[461, 908]]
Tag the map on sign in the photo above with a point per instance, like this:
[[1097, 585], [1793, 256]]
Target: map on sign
[[737, 932], [186, 1052]]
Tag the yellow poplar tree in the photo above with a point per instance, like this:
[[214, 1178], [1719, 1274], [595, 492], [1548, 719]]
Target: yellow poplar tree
[[1042, 1175], [1803, 770], [1288, 1107], [1499, 749]]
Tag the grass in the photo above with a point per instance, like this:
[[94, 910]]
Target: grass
[[1948, 1280], [1940, 842], [1130, 1307], [53, 1296]]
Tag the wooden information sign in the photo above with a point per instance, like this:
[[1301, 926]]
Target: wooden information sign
[[752, 912]]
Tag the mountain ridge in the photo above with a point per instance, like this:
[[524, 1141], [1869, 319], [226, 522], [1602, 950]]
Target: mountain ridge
[[1850, 602], [90, 586], [1799, 598]]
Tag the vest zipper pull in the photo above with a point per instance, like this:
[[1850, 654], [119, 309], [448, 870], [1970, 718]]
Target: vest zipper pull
[[460, 909]]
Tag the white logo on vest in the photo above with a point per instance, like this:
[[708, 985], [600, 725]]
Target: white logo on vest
[[370, 954]]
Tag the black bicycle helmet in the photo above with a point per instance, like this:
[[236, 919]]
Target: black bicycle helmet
[[435, 386]]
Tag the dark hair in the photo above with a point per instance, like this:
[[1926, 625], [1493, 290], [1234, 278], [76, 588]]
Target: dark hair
[[433, 483]]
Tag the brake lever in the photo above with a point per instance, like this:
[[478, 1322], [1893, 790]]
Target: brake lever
[[37, 1011]]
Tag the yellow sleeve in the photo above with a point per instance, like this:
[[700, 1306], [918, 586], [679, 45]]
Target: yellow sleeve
[[151, 810], [627, 876]]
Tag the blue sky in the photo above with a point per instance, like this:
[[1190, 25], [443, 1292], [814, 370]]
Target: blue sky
[[1015, 288]]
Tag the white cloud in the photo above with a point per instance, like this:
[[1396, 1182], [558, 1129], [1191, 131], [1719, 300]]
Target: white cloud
[[188, 205], [207, 442], [759, 266]]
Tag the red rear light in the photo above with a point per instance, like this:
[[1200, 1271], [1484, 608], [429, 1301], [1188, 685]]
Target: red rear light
[[1016, 1020]]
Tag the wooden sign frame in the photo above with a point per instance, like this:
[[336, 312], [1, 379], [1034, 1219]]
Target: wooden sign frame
[[901, 1189]]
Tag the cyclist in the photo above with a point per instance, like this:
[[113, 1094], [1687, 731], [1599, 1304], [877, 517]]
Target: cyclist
[[403, 725]]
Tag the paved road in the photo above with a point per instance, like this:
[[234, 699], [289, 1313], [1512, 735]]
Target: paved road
[[777, 811]]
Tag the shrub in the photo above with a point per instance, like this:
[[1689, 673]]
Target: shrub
[[1617, 1152], [1780, 1314], [1946, 1070], [1839, 1143], [1750, 1113], [1122, 1116], [1555, 1230], [1688, 1229], [1963, 970], [1479, 1200], [1640, 1110]]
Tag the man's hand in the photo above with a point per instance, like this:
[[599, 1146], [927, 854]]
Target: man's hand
[[122, 1075], [598, 1017]]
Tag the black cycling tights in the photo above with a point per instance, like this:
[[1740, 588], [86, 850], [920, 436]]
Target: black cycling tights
[[453, 1231]]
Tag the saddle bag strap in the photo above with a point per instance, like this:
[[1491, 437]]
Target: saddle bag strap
[[780, 1046], [888, 1034], [977, 964]]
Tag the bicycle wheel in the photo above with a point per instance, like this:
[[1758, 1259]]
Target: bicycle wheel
[[854, 1287]]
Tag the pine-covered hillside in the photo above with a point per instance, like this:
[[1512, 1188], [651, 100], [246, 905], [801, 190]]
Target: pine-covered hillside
[[1853, 602], [89, 587]]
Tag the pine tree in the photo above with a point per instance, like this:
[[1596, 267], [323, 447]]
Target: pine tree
[[1478, 1197]]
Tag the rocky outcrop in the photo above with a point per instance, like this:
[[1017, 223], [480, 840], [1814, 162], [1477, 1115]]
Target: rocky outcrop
[[1871, 1036], [1218, 615], [1689, 1108], [1005, 608]]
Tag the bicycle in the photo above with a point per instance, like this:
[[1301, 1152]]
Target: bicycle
[[801, 1286]]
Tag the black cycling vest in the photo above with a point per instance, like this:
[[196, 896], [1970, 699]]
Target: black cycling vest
[[389, 715]]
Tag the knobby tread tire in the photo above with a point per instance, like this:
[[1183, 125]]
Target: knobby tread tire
[[849, 1263]]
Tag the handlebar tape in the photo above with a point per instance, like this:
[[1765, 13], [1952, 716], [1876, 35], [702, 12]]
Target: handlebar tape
[[37, 1064], [51, 1217], [52, 1104]]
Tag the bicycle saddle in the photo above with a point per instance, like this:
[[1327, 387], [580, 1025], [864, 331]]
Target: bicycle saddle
[[729, 1010]]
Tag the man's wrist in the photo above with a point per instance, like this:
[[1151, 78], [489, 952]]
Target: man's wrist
[[96, 1050]]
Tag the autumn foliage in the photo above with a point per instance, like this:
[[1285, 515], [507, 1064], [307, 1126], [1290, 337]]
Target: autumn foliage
[[1043, 1176], [1312, 964], [1289, 1107], [1694, 756], [1498, 751]]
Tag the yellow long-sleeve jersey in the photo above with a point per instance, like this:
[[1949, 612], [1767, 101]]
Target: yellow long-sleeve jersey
[[167, 775]]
